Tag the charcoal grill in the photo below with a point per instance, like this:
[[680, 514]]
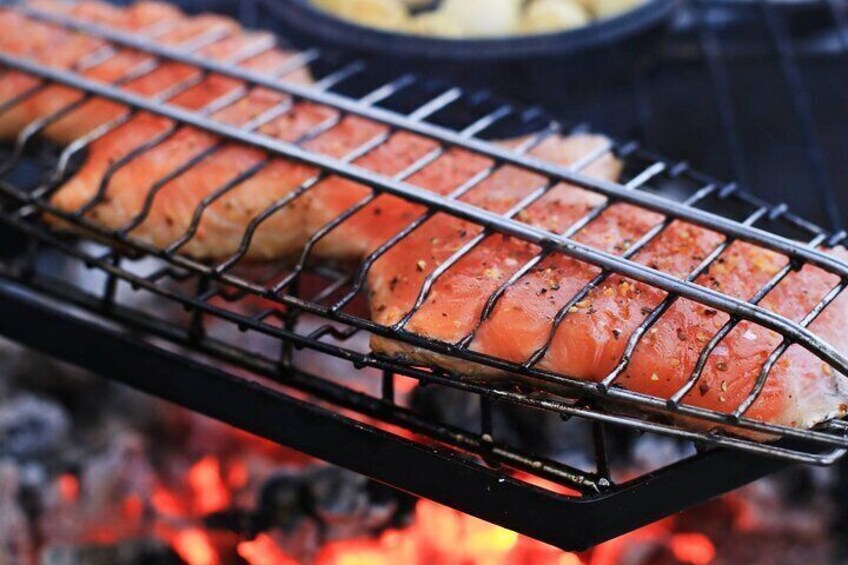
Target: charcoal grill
[[183, 360]]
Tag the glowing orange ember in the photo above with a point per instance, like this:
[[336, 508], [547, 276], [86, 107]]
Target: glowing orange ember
[[195, 548], [454, 533], [693, 548], [448, 537], [238, 475], [263, 551], [133, 507], [167, 503], [615, 551], [210, 492], [569, 559], [360, 552], [436, 534], [68, 486]]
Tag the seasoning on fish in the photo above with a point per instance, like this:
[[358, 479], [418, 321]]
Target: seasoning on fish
[[429, 273]]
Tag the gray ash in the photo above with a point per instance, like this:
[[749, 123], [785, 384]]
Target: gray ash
[[92, 472]]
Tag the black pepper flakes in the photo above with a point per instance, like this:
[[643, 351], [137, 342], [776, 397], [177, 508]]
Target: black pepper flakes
[[704, 388], [681, 335], [710, 312]]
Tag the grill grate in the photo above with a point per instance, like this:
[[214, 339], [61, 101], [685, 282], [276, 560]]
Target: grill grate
[[217, 291]]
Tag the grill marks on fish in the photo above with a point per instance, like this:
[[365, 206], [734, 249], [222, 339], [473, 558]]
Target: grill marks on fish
[[592, 334]]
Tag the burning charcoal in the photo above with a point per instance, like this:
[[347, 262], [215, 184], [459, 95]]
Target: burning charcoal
[[341, 502], [306, 507], [16, 542], [385, 496], [114, 488], [131, 552], [337, 494], [283, 502], [123, 470], [31, 427], [284, 510]]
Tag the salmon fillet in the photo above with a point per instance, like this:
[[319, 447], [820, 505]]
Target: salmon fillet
[[205, 210]]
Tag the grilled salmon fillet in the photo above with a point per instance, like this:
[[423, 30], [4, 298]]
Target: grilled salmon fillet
[[430, 273]]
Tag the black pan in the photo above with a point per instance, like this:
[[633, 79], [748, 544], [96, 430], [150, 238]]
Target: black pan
[[523, 67]]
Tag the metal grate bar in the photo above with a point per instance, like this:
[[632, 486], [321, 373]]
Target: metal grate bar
[[475, 181], [373, 98], [637, 246], [727, 328], [521, 206], [667, 303], [161, 138], [773, 358]]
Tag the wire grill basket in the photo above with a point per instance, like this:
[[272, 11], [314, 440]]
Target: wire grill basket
[[315, 308]]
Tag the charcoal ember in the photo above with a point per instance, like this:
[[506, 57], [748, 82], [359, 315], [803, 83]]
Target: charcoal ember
[[16, 539], [645, 552], [766, 507], [304, 508], [125, 552], [115, 487], [32, 428], [284, 502], [343, 504], [122, 470]]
